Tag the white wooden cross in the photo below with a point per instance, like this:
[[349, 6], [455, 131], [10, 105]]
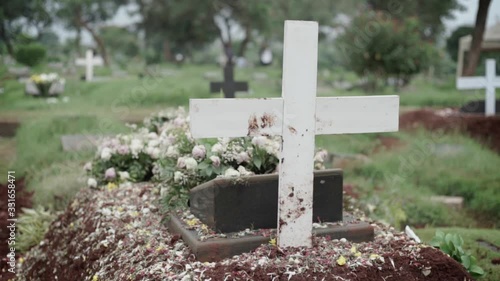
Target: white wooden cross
[[89, 61], [297, 116], [490, 82]]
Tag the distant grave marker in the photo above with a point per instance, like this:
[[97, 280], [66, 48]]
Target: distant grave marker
[[229, 87], [297, 117], [79, 142], [89, 62], [490, 82]]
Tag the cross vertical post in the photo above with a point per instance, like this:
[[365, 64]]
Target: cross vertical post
[[295, 192], [490, 87], [89, 68]]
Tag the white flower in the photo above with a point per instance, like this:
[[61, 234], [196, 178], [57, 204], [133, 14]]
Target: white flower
[[172, 151], [179, 121], [124, 175], [215, 160], [106, 153], [321, 156], [153, 143], [191, 163], [136, 146], [217, 148], [110, 174], [199, 151], [91, 182], [230, 172], [178, 176], [152, 136], [181, 162], [242, 157], [259, 140], [88, 166], [154, 152], [244, 172]]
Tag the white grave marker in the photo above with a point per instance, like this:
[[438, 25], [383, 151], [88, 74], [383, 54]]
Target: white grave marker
[[297, 116], [89, 61], [490, 82]]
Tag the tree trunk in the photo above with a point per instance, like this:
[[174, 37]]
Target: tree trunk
[[477, 37], [6, 39], [244, 43], [98, 40], [167, 53]]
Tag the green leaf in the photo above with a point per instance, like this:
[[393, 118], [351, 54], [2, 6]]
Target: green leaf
[[257, 162], [476, 271], [466, 262], [203, 165]]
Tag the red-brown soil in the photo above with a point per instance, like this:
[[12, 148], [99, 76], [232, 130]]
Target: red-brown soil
[[482, 128], [23, 200]]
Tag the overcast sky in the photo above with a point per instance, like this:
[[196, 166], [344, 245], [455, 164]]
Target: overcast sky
[[467, 17]]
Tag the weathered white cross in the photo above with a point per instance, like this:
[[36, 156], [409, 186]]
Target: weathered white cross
[[490, 82], [297, 116], [89, 61]]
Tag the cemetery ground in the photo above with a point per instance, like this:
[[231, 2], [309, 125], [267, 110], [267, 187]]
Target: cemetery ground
[[390, 176]]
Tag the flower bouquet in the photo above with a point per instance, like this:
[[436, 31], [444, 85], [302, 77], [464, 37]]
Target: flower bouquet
[[45, 81]]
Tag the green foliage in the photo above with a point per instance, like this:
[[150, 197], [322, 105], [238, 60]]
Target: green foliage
[[31, 227], [122, 43], [431, 13], [31, 54], [474, 239], [426, 213], [380, 47], [454, 39], [451, 244]]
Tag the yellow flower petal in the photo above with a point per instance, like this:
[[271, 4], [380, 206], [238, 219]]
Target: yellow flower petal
[[341, 260], [95, 278], [272, 241], [353, 249], [373, 256]]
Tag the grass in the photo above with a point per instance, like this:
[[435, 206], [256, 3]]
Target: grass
[[471, 237], [40, 156], [396, 184]]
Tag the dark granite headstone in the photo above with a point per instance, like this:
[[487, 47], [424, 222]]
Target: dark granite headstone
[[229, 86], [229, 205], [478, 106]]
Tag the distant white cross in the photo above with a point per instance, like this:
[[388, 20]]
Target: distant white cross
[[89, 61], [490, 82], [297, 116]]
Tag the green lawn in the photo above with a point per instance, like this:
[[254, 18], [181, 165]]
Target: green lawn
[[472, 239]]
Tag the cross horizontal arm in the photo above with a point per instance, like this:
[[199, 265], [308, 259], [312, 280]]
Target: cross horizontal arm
[[470, 83], [212, 118]]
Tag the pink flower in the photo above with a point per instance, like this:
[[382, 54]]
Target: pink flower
[[199, 152], [110, 174], [215, 160], [181, 162]]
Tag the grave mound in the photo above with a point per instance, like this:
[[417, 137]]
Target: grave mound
[[119, 235]]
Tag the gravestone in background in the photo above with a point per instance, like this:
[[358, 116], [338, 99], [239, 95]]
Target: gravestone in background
[[89, 62], [229, 87], [489, 83], [229, 205], [79, 142]]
